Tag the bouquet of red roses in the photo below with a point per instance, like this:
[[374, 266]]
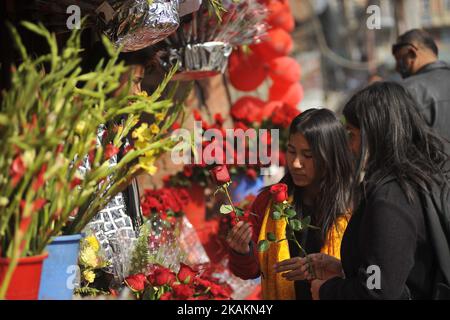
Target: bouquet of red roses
[[165, 203], [164, 284]]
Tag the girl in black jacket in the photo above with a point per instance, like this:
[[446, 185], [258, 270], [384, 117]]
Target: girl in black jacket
[[386, 250]]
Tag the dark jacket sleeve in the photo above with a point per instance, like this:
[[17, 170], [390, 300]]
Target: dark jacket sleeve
[[247, 266], [387, 239]]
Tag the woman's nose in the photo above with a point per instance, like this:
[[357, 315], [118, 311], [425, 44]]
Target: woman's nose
[[298, 163]]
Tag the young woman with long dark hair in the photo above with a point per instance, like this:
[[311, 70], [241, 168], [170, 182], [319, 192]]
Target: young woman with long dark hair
[[386, 250], [319, 179]]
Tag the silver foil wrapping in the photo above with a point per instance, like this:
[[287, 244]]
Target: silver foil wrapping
[[200, 60], [136, 24]]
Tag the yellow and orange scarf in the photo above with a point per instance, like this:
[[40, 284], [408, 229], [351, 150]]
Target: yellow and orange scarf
[[274, 286]]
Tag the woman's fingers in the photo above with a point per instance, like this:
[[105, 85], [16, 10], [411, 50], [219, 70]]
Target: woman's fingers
[[290, 264], [294, 275]]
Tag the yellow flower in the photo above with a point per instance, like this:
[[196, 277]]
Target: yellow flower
[[147, 163], [150, 154], [154, 129], [89, 275], [143, 94], [139, 145], [79, 128], [88, 257], [93, 243], [3, 201], [160, 116], [142, 133]]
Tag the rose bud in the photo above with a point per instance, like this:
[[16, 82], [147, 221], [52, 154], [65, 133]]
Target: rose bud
[[279, 192], [220, 174]]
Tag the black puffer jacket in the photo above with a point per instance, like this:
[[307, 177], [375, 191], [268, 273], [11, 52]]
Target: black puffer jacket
[[430, 86]]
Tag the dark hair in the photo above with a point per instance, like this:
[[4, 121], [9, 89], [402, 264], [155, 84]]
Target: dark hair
[[395, 138], [327, 138], [419, 36]]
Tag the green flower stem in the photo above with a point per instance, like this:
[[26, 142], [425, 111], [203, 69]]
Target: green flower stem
[[229, 199]]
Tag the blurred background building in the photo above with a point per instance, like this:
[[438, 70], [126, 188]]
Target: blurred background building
[[339, 53]]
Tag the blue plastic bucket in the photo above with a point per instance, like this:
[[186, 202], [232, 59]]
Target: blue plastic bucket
[[60, 270]]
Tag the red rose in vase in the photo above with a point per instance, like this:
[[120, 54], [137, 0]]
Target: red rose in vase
[[220, 175], [279, 192]]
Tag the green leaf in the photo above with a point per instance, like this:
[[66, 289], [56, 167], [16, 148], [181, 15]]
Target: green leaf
[[271, 237], [263, 245], [290, 213], [296, 224], [226, 209], [239, 212], [276, 215]]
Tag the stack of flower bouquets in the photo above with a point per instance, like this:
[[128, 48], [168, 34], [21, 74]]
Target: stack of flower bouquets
[[204, 41]]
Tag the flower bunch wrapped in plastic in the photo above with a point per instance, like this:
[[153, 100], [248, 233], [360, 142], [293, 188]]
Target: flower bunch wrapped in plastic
[[91, 259]]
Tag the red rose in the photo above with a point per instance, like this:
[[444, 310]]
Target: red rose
[[162, 276], [203, 282], [183, 291], [169, 200], [220, 175], [186, 274], [151, 203], [218, 292], [166, 296], [110, 151], [136, 282], [279, 192]]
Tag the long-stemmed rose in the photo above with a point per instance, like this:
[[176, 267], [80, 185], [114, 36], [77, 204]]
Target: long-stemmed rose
[[222, 178], [282, 209]]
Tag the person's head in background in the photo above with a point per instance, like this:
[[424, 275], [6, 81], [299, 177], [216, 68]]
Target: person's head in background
[[137, 63], [414, 50]]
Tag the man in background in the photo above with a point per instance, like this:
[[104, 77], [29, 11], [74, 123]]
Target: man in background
[[425, 77]]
